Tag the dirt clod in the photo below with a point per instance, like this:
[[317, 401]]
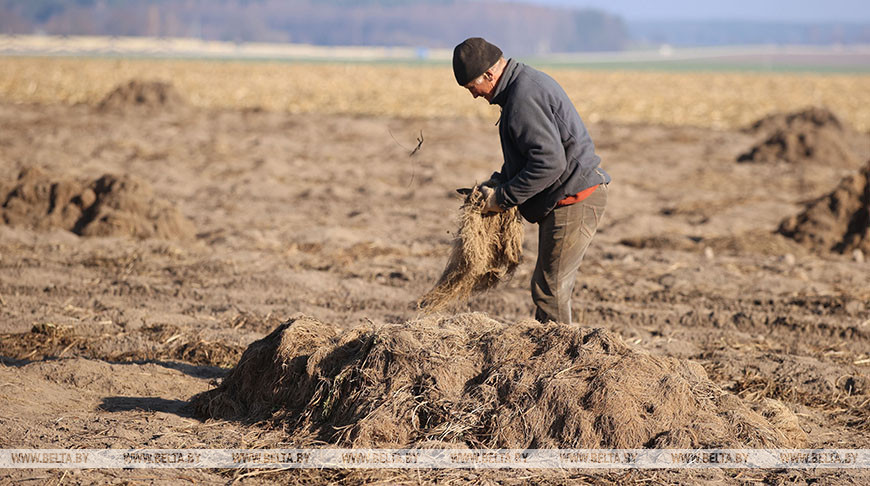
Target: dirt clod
[[109, 206], [143, 94], [813, 135], [838, 221], [810, 117]]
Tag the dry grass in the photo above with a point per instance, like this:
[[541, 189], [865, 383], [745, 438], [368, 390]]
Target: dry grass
[[486, 251], [468, 380], [161, 342], [711, 99]]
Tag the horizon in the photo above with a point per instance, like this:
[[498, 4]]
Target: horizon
[[850, 11]]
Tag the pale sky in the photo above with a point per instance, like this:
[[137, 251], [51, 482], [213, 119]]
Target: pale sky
[[768, 10]]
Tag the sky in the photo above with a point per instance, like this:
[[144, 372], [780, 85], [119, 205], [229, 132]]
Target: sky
[[766, 10]]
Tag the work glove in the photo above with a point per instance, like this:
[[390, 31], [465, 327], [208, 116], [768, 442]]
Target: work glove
[[490, 205]]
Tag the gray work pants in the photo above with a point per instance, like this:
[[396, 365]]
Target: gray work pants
[[563, 237]]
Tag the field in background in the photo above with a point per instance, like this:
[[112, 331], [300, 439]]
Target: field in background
[[706, 99]]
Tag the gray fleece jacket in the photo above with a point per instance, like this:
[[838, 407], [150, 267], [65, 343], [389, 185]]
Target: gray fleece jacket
[[548, 154]]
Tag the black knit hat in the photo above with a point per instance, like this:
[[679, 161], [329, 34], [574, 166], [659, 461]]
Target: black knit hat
[[472, 58]]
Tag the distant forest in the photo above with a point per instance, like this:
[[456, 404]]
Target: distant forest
[[520, 29], [517, 28], [731, 32]]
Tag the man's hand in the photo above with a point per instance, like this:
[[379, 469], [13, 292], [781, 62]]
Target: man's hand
[[490, 205], [493, 182]]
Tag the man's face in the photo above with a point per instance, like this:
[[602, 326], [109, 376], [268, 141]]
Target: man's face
[[482, 86]]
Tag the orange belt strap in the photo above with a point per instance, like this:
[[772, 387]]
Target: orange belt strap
[[576, 197]]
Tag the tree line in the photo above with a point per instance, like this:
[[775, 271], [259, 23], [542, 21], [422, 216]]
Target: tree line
[[517, 28]]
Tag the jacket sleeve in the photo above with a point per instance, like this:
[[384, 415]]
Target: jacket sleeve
[[497, 176], [536, 135]]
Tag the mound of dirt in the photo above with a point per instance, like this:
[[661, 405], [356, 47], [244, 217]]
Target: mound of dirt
[[487, 249], [814, 135], [468, 380], [811, 117], [143, 94], [109, 206], [839, 221], [802, 146]]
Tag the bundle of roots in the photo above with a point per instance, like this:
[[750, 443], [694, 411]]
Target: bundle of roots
[[487, 249], [467, 380]]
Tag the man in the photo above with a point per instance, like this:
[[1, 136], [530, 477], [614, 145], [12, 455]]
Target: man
[[550, 168]]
